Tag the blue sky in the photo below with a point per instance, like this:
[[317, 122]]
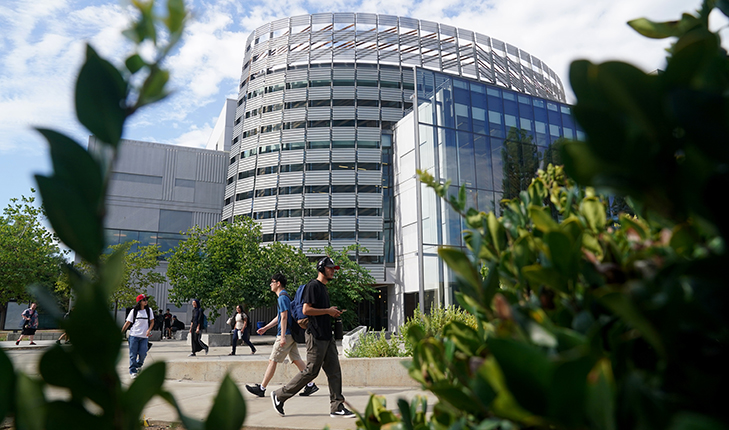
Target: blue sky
[[42, 42]]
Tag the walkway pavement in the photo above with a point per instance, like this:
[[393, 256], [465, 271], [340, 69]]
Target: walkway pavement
[[196, 397]]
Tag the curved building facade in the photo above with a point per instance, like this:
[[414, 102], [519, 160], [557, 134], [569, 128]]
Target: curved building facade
[[311, 155]]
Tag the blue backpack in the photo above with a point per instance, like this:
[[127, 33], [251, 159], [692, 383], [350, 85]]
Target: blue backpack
[[204, 322], [297, 306], [296, 314]]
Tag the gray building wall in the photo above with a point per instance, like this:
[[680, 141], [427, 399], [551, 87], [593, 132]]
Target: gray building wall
[[157, 192]]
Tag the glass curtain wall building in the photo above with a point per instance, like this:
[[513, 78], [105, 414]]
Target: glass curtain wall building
[[311, 155], [488, 138]]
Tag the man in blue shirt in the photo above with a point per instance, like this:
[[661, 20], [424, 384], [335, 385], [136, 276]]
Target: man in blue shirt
[[284, 344]]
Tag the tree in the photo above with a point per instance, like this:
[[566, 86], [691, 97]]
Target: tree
[[520, 158], [29, 253], [225, 265], [137, 277]]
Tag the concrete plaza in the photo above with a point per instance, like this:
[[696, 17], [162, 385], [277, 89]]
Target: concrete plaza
[[194, 382]]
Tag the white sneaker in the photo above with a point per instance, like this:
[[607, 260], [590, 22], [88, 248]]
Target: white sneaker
[[133, 375]]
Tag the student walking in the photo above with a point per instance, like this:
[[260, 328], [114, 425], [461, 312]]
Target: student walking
[[30, 323], [141, 319], [197, 321], [240, 330], [284, 344], [321, 349]]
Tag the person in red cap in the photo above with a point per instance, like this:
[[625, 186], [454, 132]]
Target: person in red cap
[[139, 319], [321, 348]]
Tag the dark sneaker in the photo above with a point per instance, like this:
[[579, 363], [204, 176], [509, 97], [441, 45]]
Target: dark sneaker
[[17, 342], [256, 390], [277, 404], [308, 391], [192, 355], [206, 350], [32, 343], [342, 412]]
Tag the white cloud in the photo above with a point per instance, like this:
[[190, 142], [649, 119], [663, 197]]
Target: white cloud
[[42, 46], [196, 137]]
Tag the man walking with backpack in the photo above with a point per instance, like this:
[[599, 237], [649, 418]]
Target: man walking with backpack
[[321, 349], [284, 344], [141, 320]]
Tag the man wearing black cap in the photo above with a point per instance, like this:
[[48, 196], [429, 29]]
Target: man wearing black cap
[[321, 349]]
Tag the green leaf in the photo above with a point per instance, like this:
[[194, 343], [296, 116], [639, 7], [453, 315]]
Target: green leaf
[[31, 410], [600, 399], [75, 166], [464, 337], [58, 368], [562, 253], [7, 385], [67, 212], [537, 192], [527, 372], [189, 423], [594, 212], [229, 408], [100, 98], [622, 306], [684, 239], [176, 15], [147, 385], [459, 262], [65, 415], [662, 30], [134, 63], [542, 218], [539, 275], [567, 391], [580, 162], [628, 222], [153, 88], [496, 232], [112, 272]]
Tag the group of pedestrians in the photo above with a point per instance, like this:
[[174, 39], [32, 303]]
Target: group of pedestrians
[[321, 348]]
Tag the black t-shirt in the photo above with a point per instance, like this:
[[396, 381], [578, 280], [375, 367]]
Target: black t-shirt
[[167, 319], [317, 296]]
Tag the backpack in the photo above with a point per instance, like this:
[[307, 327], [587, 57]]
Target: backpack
[[297, 332], [297, 308], [134, 318], [204, 321]]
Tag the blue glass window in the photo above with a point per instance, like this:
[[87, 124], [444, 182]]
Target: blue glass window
[[467, 171], [484, 178]]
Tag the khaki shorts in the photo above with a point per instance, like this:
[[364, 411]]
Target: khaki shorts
[[279, 352]]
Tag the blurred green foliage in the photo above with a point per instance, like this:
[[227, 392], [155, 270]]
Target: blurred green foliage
[[74, 200], [590, 321]]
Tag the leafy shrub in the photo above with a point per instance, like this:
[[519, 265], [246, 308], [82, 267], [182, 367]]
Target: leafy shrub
[[433, 324], [376, 344], [585, 322]]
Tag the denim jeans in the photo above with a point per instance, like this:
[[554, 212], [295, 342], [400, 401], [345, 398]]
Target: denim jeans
[[137, 353]]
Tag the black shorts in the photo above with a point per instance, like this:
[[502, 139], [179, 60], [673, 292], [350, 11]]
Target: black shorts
[[28, 331]]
